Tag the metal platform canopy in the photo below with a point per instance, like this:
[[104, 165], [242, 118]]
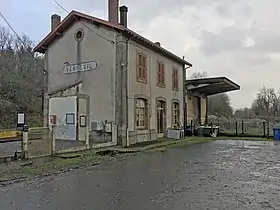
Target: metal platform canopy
[[211, 86]]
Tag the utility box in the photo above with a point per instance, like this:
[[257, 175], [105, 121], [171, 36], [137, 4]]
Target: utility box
[[276, 132]]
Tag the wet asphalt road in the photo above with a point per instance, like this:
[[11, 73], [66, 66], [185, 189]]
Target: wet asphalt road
[[215, 175]]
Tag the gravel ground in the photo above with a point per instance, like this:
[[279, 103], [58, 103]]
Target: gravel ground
[[9, 148], [215, 175]]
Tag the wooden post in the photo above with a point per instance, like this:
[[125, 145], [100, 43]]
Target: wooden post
[[236, 129], [267, 134], [53, 139], [264, 129], [242, 127], [25, 141]]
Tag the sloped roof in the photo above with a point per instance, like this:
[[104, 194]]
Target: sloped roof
[[74, 16], [66, 87]]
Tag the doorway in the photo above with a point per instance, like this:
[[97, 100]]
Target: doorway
[[197, 110], [161, 118]]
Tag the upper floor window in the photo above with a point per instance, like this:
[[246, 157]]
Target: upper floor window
[[175, 79], [141, 68], [160, 74]]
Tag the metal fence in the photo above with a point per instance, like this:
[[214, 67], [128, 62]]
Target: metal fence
[[38, 142], [250, 127]]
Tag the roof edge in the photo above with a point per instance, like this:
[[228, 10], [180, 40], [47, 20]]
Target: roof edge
[[75, 15], [212, 79]]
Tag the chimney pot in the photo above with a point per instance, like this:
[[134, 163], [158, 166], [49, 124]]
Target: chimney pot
[[113, 14], [157, 44], [123, 14], [55, 21]]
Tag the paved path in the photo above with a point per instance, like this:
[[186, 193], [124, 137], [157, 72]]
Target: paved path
[[215, 175]]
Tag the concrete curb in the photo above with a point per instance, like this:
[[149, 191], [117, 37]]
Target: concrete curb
[[140, 148]]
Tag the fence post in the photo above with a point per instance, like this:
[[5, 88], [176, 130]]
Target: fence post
[[191, 127], [25, 141], [236, 129], [211, 128], [53, 139], [267, 134], [264, 129], [242, 127]]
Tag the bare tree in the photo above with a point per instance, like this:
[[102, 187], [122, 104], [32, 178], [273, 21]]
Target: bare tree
[[267, 103], [20, 79], [199, 75]]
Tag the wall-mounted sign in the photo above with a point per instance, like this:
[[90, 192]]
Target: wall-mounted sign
[[53, 119], [20, 120], [73, 68]]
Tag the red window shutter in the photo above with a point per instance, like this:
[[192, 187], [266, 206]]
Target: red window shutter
[[139, 59], [173, 82], [139, 71], [176, 79], [158, 73], [144, 69], [162, 74]]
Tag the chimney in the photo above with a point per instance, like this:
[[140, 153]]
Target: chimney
[[123, 14], [55, 20], [113, 14], [157, 44]]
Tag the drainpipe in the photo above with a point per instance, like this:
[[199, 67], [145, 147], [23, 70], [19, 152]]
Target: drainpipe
[[184, 99], [124, 85], [126, 90]]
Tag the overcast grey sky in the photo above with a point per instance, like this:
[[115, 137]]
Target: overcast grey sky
[[239, 39]]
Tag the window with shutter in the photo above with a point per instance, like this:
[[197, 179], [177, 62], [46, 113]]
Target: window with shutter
[[141, 68]]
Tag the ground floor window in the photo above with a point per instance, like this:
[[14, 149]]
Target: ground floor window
[[176, 114], [141, 113], [161, 112]]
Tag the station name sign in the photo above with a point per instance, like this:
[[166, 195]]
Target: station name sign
[[73, 68]]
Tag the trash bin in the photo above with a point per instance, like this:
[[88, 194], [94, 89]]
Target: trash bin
[[276, 132]]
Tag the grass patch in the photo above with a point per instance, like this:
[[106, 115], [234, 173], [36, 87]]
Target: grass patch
[[242, 138], [193, 138], [49, 165]]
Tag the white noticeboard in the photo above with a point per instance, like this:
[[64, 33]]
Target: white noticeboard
[[20, 118]]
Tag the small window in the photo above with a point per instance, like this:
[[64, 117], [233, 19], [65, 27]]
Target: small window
[[79, 35], [141, 68], [175, 79], [70, 118], [160, 74], [83, 121], [176, 114], [141, 114]]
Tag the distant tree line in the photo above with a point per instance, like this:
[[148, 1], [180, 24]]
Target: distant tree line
[[266, 106], [21, 80]]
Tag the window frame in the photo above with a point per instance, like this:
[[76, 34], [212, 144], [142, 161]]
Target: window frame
[[175, 113], [141, 124], [175, 78], [141, 68], [160, 74], [71, 117]]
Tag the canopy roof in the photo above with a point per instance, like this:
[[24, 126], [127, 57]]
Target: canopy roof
[[211, 86]]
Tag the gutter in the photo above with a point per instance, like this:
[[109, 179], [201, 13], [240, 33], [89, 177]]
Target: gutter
[[184, 99], [126, 89]]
